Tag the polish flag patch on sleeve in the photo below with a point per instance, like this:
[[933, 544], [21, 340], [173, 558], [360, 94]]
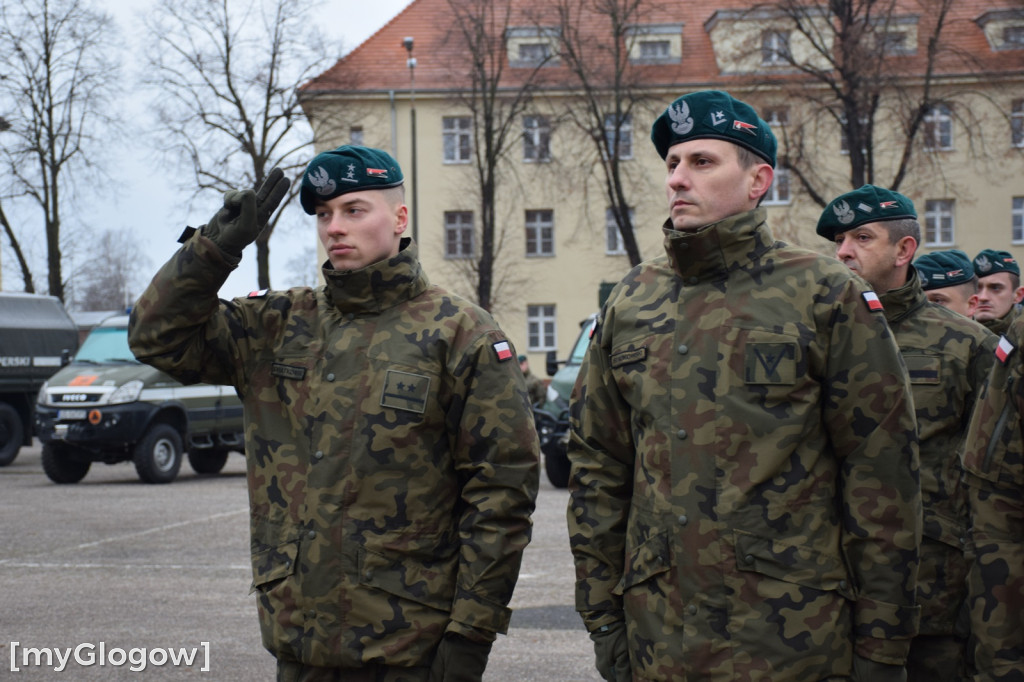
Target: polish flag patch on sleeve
[[258, 294], [871, 298], [1004, 349], [503, 350]]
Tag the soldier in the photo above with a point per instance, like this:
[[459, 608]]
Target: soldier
[[391, 453], [993, 461], [999, 289], [534, 386], [948, 357], [948, 279], [744, 496]]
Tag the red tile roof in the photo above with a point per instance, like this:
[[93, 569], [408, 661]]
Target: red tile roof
[[379, 63]]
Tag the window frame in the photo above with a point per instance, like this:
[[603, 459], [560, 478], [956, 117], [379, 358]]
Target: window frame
[[625, 136], [537, 222], [455, 222], [536, 139], [936, 212], [1017, 220], [612, 234], [541, 327], [937, 134], [457, 139], [773, 54], [781, 180]]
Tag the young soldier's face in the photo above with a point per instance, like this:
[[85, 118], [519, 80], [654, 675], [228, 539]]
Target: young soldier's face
[[996, 296], [360, 228], [959, 298], [706, 183]]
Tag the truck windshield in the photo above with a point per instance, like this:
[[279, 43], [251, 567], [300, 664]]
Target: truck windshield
[[106, 344], [580, 349]]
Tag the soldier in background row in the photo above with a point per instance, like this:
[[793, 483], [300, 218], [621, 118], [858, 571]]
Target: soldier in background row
[[948, 357], [948, 279], [535, 387], [391, 453], [993, 461], [744, 496], [999, 290]]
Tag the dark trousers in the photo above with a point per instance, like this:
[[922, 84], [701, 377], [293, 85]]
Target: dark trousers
[[291, 671]]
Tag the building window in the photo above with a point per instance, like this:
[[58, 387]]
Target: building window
[[778, 193], [894, 43], [457, 135], [458, 234], [655, 50], [625, 129], [1013, 37], [775, 48], [532, 46], [541, 328], [534, 53], [777, 117], [613, 244], [536, 139], [938, 128], [1017, 123], [355, 135], [939, 228], [1018, 220], [540, 232]]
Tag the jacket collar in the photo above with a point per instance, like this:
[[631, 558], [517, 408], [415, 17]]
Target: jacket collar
[[711, 252], [378, 286], [904, 300]]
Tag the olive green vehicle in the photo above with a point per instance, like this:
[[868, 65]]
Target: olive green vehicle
[[105, 406]]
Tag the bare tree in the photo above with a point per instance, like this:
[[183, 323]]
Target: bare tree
[[496, 102], [112, 274], [227, 75], [607, 70], [865, 76], [57, 77]]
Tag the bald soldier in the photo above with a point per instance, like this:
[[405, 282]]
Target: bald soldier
[[391, 454], [948, 356], [948, 279], [744, 494]]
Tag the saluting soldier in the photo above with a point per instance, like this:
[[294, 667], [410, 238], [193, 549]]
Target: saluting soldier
[[993, 460], [391, 454], [876, 233], [744, 496]]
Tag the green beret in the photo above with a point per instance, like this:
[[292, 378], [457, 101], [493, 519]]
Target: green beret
[[869, 204], [717, 115], [941, 269], [347, 169], [990, 262]]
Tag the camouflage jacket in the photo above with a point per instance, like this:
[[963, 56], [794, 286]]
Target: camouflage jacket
[[391, 453], [744, 484], [1001, 325], [948, 357], [993, 461]]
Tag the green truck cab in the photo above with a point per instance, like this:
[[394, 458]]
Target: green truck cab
[[106, 406]]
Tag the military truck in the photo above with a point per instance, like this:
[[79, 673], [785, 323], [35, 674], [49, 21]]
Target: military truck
[[106, 406], [552, 418], [37, 336]]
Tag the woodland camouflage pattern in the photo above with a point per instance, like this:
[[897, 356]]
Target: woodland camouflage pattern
[[392, 459], [993, 460], [948, 358], [744, 484]]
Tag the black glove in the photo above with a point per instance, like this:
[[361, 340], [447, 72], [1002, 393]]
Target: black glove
[[866, 670], [459, 659], [612, 652], [245, 214]]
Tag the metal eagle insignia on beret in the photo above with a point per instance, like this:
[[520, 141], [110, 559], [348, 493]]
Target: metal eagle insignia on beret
[[682, 122], [322, 181], [843, 213]]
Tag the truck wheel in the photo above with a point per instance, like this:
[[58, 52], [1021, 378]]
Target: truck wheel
[[12, 434], [61, 466], [157, 456], [207, 461], [556, 464]]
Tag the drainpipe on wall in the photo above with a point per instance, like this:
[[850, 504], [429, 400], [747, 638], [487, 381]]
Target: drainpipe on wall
[[394, 124]]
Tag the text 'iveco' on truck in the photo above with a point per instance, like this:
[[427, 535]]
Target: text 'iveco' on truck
[[106, 406]]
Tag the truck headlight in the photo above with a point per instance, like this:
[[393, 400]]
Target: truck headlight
[[128, 393], [42, 398]]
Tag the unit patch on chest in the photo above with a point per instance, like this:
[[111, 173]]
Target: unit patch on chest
[[279, 369], [405, 391], [770, 363]]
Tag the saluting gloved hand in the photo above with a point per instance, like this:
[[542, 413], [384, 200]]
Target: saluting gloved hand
[[866, 670], [459, 659], [612, 652], [245, 213]]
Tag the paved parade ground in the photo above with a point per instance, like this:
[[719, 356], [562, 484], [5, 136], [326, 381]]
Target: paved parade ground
[[112, 575]]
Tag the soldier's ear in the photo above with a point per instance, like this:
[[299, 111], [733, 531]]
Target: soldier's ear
[[401, 218], [763, 174]]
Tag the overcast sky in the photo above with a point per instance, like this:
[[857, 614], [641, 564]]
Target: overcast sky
[[152, 207]]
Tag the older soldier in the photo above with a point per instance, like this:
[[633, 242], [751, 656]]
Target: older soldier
[[999, 289], [745, 502], [948, 279], [392, 459], [948, 357], [993, 460]]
